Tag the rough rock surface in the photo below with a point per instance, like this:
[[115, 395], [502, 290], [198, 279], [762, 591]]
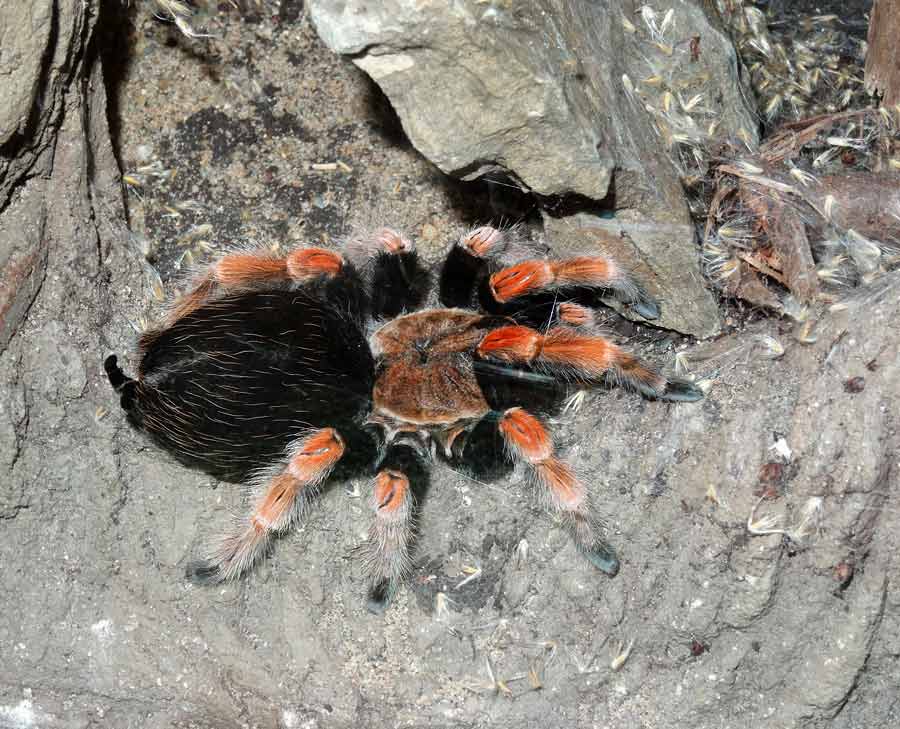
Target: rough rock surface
[[646, 247], [533, 88], [99, 629], [542, 92], [40, 42]]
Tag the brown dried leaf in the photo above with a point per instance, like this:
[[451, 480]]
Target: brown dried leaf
[[788, 235], [747, 285]]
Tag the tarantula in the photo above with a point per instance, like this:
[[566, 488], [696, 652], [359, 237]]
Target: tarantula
[[277, 370]]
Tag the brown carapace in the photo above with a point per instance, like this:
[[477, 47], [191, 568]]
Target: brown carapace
[[284, 371]]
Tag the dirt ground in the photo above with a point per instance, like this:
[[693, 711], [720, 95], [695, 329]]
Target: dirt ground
[[263, 136]]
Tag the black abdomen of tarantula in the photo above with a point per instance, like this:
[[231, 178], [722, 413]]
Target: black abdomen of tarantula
[[230, 385], [262, 372]]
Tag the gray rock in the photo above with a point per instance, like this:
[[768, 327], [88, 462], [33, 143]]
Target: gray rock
[[36, 68], [542, 91], [37, 40], [533, 88], [25, 32], [53, 364], [645, 246]]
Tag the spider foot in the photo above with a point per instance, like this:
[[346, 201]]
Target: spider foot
[[484, 242], [644, 306], [681, 391], [203, 573], [602, 556], [380, 596]]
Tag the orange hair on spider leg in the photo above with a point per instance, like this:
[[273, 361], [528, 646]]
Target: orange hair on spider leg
[[277, 503], [193, 300], [310, 262], [590, 355], [391, 488], [566, 491], [586, 270], [511, 344], [316, 455], [630, 368], [525, 434], [238, 269], [519, 280]]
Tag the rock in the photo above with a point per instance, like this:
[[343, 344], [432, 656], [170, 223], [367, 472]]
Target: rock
[[25, 32], [38, 40], [54, 365], [543, 92], [645, 247], [533, 88], [883, 58], [23, 258]]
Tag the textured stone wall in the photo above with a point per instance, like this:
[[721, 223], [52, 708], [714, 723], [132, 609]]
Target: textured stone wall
[[98, 627]]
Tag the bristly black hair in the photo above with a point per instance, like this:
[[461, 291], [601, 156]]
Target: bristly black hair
[[229, 386]]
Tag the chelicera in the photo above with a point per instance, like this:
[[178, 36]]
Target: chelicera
[[283, 371]]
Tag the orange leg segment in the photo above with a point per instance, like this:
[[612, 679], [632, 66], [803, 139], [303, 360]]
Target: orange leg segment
[[529, 442], [390, 494], [238, 270], [248, 270], [245, 269], [536, 275], [568, 353], [522, 279], [282, 499], [387, 551]]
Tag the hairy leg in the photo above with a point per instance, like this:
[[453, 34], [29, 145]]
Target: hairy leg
[[591, 272], [283, 494], [256, 269], [391, 533], [566, 353], [389, 266], [480, 254], [468, 262], [528, 441]]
